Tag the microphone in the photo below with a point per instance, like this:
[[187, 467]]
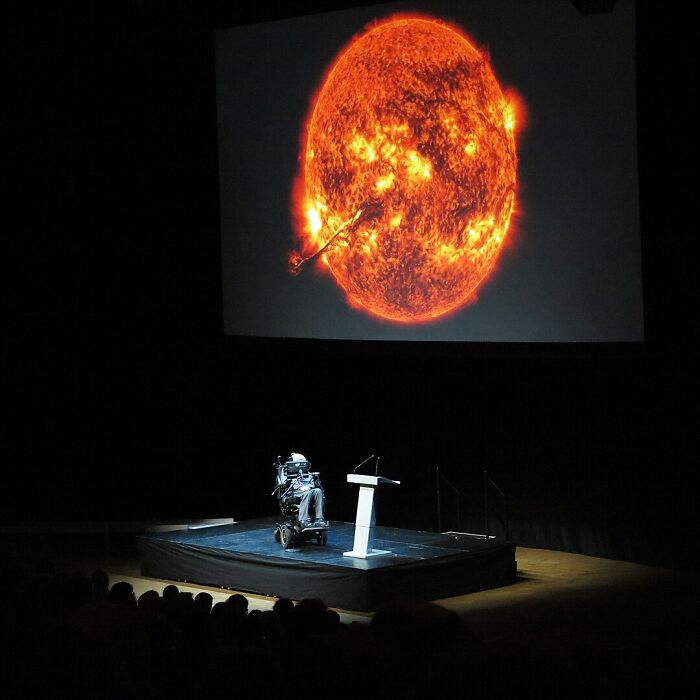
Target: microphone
[[376, 466], [361, 463]]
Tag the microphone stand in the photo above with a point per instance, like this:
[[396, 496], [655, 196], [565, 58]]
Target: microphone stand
[[439, 475], [361, 463]]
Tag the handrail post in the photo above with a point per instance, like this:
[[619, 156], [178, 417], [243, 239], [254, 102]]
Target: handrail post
[[486, 506], [437, 489]]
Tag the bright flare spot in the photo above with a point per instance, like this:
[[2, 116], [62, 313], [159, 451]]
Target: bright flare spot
[[314, 219], [385, 183], [418, 167]]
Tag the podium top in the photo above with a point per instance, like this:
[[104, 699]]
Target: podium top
[[368, 480]]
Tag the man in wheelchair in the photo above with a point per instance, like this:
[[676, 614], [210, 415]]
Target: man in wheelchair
[[297, 490]]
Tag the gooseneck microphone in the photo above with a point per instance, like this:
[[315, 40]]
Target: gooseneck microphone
[[361, 463]]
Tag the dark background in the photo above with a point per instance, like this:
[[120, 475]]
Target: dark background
[[124, 398]]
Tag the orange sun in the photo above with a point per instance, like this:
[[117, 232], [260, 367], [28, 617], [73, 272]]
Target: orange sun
[[407, 179]]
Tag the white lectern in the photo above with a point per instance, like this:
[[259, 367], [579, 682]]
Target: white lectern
[[363, 545]]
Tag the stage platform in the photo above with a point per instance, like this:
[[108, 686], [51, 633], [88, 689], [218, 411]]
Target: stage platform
[[245, 557]]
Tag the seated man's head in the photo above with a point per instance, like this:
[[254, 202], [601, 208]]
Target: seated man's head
[[297, 463]]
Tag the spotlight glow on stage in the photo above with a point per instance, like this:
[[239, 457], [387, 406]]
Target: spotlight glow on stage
[[407, 182]]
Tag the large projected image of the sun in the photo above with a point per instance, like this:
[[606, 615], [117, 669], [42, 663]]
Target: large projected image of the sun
[[407, 177]]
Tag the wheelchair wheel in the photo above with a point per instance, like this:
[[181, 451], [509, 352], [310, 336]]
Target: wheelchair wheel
[[277, 534], [322, 537], [286, 536]]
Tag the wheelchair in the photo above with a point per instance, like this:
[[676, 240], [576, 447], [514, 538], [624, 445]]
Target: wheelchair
[[289, 531]]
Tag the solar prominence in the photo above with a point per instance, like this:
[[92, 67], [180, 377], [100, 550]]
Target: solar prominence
[[407, 180]]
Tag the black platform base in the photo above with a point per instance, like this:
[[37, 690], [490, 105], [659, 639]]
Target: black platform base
[[246, 557]]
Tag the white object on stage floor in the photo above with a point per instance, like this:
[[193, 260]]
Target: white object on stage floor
[[363, 545]]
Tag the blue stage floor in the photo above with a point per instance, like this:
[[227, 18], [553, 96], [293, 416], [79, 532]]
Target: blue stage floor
[[245, 556]]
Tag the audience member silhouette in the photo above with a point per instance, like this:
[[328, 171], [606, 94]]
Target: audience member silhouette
[[149, 600], [238, 603], [204, 601], [122, 592], [284, 607], [170, 591]]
